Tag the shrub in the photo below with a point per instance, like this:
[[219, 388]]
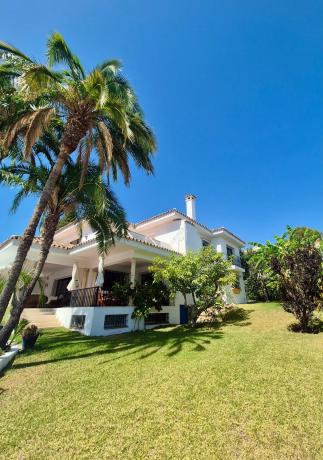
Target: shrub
[[199, 276], [297, 263]]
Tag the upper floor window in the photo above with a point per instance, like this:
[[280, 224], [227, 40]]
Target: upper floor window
[[230, 251], [205, 243]]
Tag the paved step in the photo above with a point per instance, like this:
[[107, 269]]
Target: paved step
[[42, 317]]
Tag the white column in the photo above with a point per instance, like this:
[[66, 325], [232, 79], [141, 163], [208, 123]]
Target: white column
[[91, 277], [100, 278], [74, 284], [83, 276], [133, 272]]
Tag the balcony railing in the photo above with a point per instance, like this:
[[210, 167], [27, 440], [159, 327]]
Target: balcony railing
[[236, 261], [89, 297]]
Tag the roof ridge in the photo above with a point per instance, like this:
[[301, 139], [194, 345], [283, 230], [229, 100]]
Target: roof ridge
[[132, 238], [162, 214]]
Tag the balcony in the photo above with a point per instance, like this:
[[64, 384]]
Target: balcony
[[236, 261], [89, 297]]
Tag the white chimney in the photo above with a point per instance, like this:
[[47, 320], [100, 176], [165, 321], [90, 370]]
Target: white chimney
[[190, 206]]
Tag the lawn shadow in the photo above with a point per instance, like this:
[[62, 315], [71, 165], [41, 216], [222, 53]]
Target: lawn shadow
[[234, 317], [237, 317], [64, 345]]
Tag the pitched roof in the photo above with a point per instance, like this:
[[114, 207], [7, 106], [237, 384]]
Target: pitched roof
[[38, 240], [221, 229], [67, 246], [171, 211], [174, 210], [150, 242]]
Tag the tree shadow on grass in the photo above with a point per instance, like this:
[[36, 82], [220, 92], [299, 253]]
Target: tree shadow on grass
[[63, 345], [237, 317]]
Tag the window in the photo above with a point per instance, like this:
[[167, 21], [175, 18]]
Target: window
[[230, 251], [112, 277], [205, 243], [157, 318], [61, 286], [147, 278], [77, 321], [115, 321]]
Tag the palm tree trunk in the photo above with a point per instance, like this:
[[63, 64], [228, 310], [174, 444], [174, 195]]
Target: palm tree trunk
[[19, 303], [76, 127], [30, 231]]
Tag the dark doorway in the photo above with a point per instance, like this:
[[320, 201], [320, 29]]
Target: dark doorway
[[61, 286], [183, 314], [147, 278], [111, 277]]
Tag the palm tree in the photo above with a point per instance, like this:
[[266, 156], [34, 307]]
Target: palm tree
[[98, 111], [93, 202]]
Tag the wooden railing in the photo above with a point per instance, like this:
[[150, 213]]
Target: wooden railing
[[94, 296], [88, 297]]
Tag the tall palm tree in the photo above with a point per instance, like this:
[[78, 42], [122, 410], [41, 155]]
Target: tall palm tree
[[98, 111], [93, 202]]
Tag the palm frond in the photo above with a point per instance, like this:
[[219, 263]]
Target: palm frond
[[16, 128], [8, 70], [19, 197], [110, 67], [37, 125], [58, 52], [106, 140], [38, 78], [10, 178], [95, 87], [7, 48]]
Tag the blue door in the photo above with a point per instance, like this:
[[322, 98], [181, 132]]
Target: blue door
[[183, 314]]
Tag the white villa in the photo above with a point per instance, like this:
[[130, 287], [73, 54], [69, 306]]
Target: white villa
[[78, 283]]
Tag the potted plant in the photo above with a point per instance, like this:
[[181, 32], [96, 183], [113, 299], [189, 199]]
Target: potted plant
[[236, 289], [29, 336]]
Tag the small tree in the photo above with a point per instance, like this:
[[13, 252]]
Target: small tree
[[199, 276], [296, 259], [148, 296], [261, 281]]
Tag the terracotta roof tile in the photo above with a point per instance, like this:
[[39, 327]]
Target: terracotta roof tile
[[174, 210], [38, 240], [132, 238]]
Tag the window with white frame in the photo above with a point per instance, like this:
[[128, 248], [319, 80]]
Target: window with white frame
[[230, 251], [77, 321], [115, 321], [157, 318]]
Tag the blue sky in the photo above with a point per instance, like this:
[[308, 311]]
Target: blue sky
[[232, 89]]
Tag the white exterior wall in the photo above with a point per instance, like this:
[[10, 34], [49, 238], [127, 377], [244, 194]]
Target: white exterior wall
[[7, 357], [170, 234], [59, 274], [221, 244], [72, 233], [94, 321], [231, 297], [193, 241], [179, 235]]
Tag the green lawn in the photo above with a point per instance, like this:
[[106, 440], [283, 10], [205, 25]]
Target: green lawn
[[246, 389]]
